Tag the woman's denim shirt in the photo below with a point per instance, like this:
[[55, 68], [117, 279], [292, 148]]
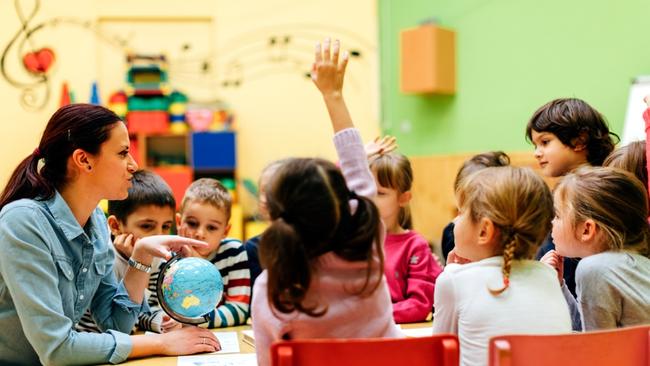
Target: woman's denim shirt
[[51, 271]]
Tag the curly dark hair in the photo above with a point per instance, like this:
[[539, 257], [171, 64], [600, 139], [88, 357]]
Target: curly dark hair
[[575, 122]]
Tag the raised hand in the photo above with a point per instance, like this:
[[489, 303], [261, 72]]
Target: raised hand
[[380, 146], [647, 100], [327, 72]]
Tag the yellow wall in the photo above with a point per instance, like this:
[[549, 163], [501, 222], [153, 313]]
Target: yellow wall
[[278, 115]]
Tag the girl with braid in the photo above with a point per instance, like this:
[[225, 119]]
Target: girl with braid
[[504, 215]]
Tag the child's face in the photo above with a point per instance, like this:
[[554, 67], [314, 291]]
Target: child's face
[[205, 222], [389, 201], [466, 234], [555, 158], [146, 221], [565, 234]]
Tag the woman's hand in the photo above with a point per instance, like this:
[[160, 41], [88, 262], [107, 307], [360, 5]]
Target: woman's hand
[[189, 340], [327, 73], [161, 246], [556, 261]]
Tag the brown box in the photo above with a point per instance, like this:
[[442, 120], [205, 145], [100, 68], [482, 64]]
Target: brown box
[[428, 60]]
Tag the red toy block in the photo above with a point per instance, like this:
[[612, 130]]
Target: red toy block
[[148, 121], [178, 178]]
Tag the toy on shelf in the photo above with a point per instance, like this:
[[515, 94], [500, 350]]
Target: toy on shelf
[[117, 102], [177, 109], [211, 116]]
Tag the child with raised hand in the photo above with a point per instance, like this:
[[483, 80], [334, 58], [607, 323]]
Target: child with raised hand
[[205, 215], [471, 165], [410, 267], [568, 133], [504, 214], [601, 216], [148, 210], [322, 255]]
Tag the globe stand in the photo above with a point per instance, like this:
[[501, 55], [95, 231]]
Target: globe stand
[[179, 318]]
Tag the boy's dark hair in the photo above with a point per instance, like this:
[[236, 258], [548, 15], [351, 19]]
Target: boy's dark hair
[[148, 189], [574, 122]]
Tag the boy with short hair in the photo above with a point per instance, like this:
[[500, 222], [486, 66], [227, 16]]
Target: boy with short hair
[[148, 210], [204, 215]]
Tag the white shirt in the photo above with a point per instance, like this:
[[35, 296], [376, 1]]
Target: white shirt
[[463, 304]]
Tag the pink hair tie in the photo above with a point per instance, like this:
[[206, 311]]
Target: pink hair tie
[[37, 153]]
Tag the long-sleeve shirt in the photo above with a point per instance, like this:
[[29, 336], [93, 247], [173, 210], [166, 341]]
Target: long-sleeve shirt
[[533, 304], [333, 285], [613, 291], [51, 271], [411, 273], [233, 308]]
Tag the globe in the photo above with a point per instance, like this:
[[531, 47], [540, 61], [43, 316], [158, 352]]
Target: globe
[[189, 289]]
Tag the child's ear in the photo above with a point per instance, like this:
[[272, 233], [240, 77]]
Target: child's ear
[[178, 219], [115, 225], [225, 232], [404, 198], [587, 230], [487, 231], [580, 142]]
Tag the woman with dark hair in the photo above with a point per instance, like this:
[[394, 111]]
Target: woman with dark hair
[[56, 258]]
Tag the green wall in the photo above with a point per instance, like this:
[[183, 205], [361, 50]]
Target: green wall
[[512, 57]]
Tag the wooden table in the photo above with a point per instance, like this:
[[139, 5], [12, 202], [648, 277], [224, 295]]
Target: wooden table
[[243, 346]]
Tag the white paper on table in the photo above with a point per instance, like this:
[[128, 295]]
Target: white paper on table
[[228, 340], [418, 332], [240, 359]]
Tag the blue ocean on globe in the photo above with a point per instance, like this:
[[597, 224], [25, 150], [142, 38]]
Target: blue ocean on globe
[[192, 287]]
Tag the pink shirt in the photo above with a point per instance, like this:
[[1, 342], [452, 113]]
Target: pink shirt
[[334, 281], [411, 273]]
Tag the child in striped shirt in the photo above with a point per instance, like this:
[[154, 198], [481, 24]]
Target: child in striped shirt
[[204, 215]]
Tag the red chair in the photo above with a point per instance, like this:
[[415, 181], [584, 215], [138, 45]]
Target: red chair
[[620, 347], [436, 350]]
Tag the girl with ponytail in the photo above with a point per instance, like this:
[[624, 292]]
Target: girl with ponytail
[[57, 262], [504, 215], [322, 254]]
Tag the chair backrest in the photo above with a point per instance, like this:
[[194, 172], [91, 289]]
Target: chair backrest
[[435, 350], [620, 347]]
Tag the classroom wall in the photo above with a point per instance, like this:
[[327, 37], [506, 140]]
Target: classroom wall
[[279, 112], [512, 57]]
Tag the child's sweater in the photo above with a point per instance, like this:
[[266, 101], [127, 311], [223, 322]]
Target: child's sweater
[[334, 281], [533, 304], [411, 273], [613, 290]]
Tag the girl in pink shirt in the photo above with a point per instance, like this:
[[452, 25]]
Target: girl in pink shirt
[[322, 254], [410, 267]]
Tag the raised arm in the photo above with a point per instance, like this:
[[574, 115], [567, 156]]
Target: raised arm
[[328, 74]]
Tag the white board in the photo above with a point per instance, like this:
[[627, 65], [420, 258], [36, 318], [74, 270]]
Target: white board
[[634, 127]]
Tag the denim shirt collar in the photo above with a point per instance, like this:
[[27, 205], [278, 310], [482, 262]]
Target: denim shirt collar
[[67, 222]]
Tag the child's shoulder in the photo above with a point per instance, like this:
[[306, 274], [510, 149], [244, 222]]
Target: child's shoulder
[[229, 247]]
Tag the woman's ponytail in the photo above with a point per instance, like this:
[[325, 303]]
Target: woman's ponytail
[[26, 182]]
